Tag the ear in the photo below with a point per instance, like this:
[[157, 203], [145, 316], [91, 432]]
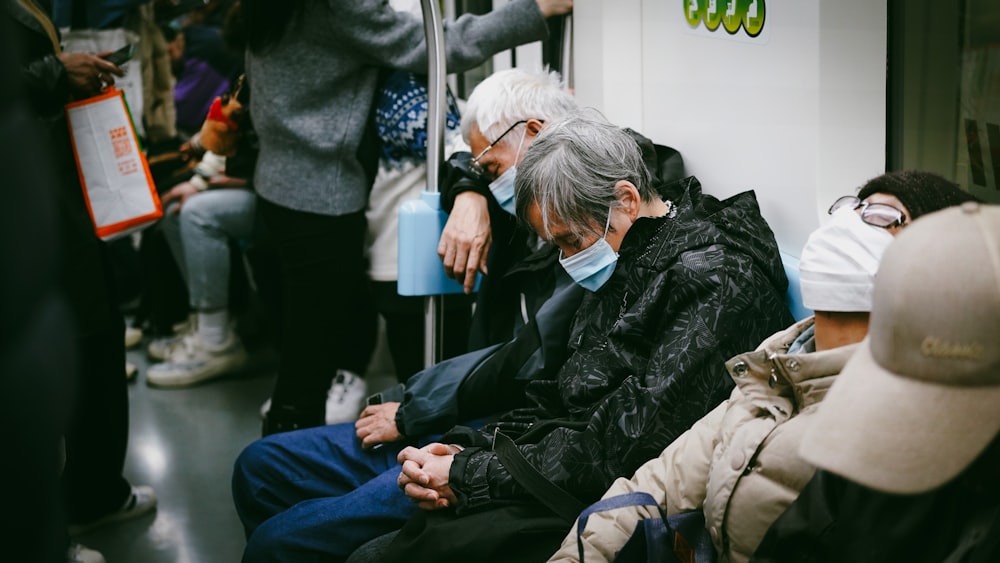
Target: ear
[[534, 127], [629, 199]]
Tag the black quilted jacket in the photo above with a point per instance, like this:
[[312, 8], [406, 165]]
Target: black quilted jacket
[[691, 290]]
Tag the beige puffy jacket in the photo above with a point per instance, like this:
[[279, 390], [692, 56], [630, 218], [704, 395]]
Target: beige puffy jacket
[[739, 463]]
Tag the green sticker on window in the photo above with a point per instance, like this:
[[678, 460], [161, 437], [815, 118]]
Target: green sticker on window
[[731, 14], [753, 17]]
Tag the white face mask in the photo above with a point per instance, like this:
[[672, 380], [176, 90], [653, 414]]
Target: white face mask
[[593, 266], [839, 262], [503, 186]]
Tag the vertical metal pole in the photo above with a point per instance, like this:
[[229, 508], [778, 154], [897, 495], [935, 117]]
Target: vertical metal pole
[[567, 51], [434, 32]]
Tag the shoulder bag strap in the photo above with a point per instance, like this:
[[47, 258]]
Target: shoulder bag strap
[[637, 498], [548, 493]]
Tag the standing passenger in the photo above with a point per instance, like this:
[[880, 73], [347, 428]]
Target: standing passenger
[[401, 120], [313, 68], [96, 492]]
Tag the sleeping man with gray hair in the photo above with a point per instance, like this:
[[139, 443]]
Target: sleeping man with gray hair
[[673, 288]]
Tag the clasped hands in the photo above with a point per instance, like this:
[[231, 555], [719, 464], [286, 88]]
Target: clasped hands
[[424, 474], [424, 477]]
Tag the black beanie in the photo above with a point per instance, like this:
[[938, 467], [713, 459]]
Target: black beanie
[[920, 192]]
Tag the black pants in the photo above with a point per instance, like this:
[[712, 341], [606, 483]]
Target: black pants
[[328, 321], [97, 436], [165, 298], [38, 366], [404, 327]]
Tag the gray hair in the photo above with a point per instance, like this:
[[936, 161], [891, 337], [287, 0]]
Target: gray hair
[[508, 96], [571, 169]]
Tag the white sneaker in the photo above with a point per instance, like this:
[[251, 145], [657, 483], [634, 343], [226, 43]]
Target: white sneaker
[[346, 397], [194, 362], [133, 336], [161, 348], [344, 400], [78, 553]]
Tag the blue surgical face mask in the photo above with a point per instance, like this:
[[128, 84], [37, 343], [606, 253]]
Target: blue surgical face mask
[[503, 186], [593, 266], [503, 189]]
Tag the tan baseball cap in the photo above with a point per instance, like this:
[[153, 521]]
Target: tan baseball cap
[[920, 400]]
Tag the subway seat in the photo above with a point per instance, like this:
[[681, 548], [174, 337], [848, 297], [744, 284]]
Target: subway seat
[[794, 294]]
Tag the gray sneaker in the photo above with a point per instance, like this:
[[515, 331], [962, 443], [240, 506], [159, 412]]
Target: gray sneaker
[[193, 362], [161, 348]]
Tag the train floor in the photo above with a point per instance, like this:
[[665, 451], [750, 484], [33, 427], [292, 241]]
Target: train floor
[[183, 443]]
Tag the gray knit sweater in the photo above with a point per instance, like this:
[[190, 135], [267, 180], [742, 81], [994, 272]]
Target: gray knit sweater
[[311, 94]]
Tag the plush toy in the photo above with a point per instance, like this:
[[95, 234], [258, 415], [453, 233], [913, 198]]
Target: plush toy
[[221, 129]]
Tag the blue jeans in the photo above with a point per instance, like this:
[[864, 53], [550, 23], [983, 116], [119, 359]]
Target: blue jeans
[[199, 238], [316, 495]]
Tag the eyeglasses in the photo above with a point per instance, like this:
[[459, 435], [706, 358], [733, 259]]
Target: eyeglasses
[[875, 214], [478, 168]]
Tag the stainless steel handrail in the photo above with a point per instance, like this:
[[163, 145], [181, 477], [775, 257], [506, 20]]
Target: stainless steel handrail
[[436, 73]]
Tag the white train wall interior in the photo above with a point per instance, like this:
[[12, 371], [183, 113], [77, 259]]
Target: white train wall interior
[[800, 100]]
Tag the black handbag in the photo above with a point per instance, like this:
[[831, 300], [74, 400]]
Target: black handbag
[[517, 533], [681, 538]]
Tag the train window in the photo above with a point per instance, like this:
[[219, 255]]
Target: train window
[[462, 83], [552, 56], [944, 91]]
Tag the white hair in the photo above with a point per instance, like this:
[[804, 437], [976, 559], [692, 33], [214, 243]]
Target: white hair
[[509, 96]]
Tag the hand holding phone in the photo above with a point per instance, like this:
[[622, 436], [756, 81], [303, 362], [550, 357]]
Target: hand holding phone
[[121, 56]]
